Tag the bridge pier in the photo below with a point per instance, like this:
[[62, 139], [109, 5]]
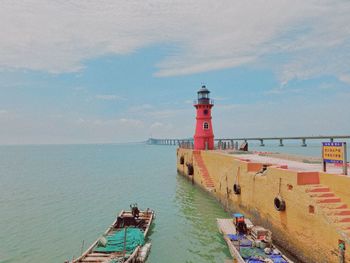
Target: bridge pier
[[281, 143], [220, 144], [262, 143], [303, 142]]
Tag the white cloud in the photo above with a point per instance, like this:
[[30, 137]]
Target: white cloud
[[287, 116], [156, 125], [120, 123], [170, 113], [227, 107], [345, 78], [141, 108], [108, 97], [161, 130], [284, 117], [207, 35], [131, 122]]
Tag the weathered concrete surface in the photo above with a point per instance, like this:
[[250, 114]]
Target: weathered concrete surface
[[316, 215]]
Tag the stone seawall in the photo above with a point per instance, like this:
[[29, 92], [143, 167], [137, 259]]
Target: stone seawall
[[316, 216]]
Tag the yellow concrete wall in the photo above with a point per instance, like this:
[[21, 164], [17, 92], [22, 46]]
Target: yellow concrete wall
[[188, 158], [309, 236]]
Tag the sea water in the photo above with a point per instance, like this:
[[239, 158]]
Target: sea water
[[55, 200]]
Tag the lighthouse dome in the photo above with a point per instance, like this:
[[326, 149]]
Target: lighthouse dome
[[204, 90], [203, 95]]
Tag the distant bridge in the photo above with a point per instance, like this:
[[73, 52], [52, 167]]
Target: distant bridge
[[168, 141], [231, 141]]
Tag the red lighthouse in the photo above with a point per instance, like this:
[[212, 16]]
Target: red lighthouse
[[204, 136]]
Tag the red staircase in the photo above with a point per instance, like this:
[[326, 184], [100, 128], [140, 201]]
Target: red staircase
[[332, 207], [208, 181]]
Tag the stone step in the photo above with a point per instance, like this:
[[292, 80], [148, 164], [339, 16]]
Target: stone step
[[203, 171], [343, 212], [328, 200], [207, 182], [342, 219], [338, 212], [322, 194], [333, 206], [339, 215], [343, 226], [318, 189]]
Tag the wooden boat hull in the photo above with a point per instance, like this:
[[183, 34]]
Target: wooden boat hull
[[124, 221]]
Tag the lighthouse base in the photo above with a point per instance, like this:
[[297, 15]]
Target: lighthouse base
[[203, 143]]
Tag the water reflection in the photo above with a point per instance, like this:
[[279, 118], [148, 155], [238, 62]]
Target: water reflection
[[199, 211]]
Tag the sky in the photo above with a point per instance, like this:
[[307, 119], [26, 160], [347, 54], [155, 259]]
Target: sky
[[124, 71]]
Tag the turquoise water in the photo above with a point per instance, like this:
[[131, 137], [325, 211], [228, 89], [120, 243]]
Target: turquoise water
[[54, 197]]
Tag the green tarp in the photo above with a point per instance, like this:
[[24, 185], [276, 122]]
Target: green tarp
[[115, 242], [247, 252]]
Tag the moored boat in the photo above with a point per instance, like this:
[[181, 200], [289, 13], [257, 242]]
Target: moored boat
[[123, 241], [249, 243]]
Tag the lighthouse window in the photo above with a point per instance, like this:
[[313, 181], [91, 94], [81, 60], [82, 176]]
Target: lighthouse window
[[206, 126], [205, 112]]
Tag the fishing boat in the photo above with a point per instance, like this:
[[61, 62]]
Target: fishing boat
[[249, 243], [123, 241]]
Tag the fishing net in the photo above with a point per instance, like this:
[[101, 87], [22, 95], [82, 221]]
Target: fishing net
[[250, 252], [115, 242]]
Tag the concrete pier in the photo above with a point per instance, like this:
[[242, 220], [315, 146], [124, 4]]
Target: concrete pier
[[316, 215]]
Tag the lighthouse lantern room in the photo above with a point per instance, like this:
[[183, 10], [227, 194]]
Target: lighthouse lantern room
[[204, 136]]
